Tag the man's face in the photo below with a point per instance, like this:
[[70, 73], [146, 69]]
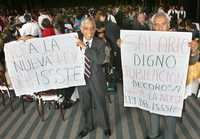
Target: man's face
[[88, 30], [160, 24], [102, 18], [141, 18], [181, 8]]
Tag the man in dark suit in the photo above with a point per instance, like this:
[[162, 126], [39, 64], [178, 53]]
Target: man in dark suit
[[112, 31], [92, 95], [113, 34]]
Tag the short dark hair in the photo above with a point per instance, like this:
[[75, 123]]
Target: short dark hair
[[27, 17], [46, 23]]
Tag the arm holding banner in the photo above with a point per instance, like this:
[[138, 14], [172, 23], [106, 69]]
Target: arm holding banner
[[24, 38], [80, 44], [97, 55]]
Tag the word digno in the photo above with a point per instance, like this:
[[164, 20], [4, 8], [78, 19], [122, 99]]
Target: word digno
[[161, 61]]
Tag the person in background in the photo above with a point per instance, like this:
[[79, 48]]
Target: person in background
[[67, 93], [77, 22], [182, 27], [1, 25], [192, 87], [110, 16], [68, 25], [140, 23], [30, 28], [59, 24], [101, 33], [173, 14], [181, 14], [112, 31], [48, 29], [43, 15]]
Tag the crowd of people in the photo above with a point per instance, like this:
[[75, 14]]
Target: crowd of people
[[102, 27], [109, 20]]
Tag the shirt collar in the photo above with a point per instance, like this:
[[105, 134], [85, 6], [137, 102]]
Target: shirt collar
[[89, 41]]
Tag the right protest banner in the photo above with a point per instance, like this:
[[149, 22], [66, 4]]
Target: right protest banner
[[155, 68]]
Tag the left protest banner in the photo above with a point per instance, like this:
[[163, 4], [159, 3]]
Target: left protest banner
[[44, 63]]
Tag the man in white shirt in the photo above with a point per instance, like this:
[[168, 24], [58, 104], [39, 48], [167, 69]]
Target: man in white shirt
[[110, 16], [181, 14], [173, 14], [30, 28]]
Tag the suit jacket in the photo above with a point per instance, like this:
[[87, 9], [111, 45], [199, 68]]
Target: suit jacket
[[112, 32], [97, 56], [137, 26], [97, 85]]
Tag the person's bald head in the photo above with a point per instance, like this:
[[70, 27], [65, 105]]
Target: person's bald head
[[161, 22]]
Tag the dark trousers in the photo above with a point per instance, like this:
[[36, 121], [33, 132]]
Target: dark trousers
[[94, 110], [116, 62], [169, 129], [66, 92]]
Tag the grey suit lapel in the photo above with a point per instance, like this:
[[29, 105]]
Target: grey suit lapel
[[93, 42]]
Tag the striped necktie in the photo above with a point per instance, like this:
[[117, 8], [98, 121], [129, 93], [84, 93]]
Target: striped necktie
[[87, 71]]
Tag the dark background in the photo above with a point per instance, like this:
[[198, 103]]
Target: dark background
[[192, 6]]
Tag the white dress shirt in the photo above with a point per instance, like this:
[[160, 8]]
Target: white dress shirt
[[182, 12], [111, 18], [172, 11], [90, 44], [30, 28]]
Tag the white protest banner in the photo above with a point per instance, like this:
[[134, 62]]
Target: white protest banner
[[41, 64], [154, 70]]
